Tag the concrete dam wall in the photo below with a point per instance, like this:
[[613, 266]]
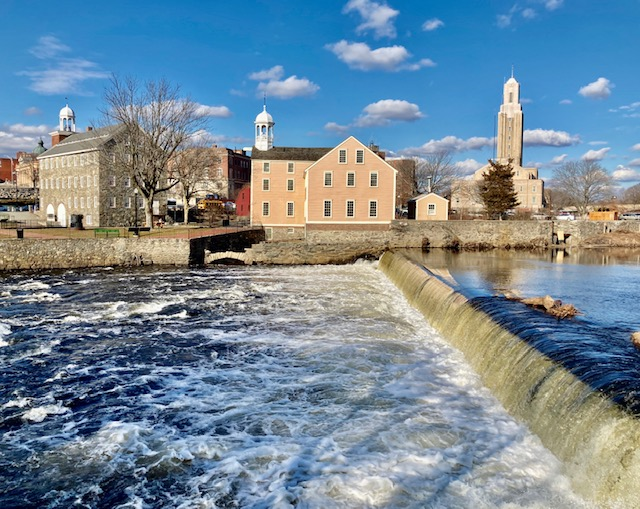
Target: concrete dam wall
[[596, 439]]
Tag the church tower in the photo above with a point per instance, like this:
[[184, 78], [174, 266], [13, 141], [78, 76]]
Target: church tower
[[67, 126], [510, 124], [264, 130]]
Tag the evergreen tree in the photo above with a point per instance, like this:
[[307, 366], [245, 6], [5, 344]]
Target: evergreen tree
[[497, 191]]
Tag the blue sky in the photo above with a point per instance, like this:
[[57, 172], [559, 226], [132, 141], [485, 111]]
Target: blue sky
[[409, 76]]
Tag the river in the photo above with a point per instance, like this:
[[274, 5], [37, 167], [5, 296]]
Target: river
[[252, 387]]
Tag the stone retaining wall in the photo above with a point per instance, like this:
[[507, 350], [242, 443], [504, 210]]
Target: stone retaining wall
[[40, 254]]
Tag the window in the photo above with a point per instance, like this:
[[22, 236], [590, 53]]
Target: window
[[81, 202], [266, 168], [127, 182], [351, 208], [327, 208], [351, 179], [328, 179], [360, 156], [373, 208], [290, 167], [290, 209], [112, 180], [75, 182], [373, 179], [82, 182], [265, 208], [342, 157], [265, 184], [290, 185], [127, 202], [112, 202], [533, 189], [431, 209]]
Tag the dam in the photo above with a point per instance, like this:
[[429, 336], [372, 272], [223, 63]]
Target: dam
[[587, 416]]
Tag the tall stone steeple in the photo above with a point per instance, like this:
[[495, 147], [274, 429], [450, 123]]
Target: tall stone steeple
[[510, 124], [264, 129]]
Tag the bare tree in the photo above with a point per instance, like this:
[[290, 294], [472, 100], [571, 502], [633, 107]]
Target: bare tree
[[436, 173], [632, 195], [156, 123], [192, 169], [583, 182]]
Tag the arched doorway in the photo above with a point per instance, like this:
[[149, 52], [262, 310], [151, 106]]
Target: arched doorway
[[62, 215], [51, 214]]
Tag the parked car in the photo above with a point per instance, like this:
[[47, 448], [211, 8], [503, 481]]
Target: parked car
[[630, 216], [563, 215]]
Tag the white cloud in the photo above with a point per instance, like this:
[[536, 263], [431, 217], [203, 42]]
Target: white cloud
[[272, 84], [49, 47], [599, 89], [376, 17], [634, 162], [336, 128], [432, 24], [275, 73], [468, 166], [529, 13], [62, 75], [388, 110], [21, 137], [558, 160], [636, 147], [595, 155], [595, 143], [552, 5], [291, 87], [33, 110], [623, 174], [503, 20], [448, 144], [213, 111], [358, 55], [548, 138], [566, 101]]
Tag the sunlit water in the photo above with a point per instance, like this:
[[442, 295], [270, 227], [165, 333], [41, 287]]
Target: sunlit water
[[253, 387]]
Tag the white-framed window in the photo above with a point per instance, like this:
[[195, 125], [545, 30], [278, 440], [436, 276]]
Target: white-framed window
[[268, 233], [69, 182], [112, 202], [266, 184], [290, 185], [265, 208], [112, 180], [127, 202], [533, 189], [127, 182], [373, 179], [95, 181], [327, 208], [291, 231], [351, 179], [82, 202], [82, 182], [328, 179], [75, 182], [351, 208], [266, 167], [290, 209], [359, 156], [75, 202], [95, 202], [431, 209], [342, 156], [290, 167], [373, 208], [57, 183]]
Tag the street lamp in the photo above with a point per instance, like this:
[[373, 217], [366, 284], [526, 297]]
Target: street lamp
[[135, 211]]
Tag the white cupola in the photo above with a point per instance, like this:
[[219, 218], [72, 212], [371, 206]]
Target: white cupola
[[67, 119], [264, 130]]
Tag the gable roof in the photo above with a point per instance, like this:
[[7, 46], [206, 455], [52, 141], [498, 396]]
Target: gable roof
[[427, 195], [83, 142], [289, 153], [339, 145]]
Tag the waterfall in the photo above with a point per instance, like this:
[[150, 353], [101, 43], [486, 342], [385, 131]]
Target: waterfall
[[597, 440]]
